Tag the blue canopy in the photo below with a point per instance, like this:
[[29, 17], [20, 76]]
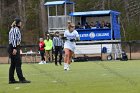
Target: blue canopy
[[52, 3], [94, 13], [115, 25]]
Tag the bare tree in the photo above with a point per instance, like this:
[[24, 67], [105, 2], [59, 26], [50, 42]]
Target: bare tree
[[1, 6], [22, 15], [21, 6], [103, 4], [0, 17], [126, 9], [109, 3], [43, 16]]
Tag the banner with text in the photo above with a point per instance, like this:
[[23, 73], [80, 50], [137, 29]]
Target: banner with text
[[94, 34]]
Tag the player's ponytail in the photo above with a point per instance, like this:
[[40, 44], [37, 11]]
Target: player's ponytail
[[13, 24], [16, 22], [71, 25]]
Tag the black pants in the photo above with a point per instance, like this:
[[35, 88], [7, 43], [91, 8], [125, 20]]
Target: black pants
[[58, 50], [15, 64], [42, 52]]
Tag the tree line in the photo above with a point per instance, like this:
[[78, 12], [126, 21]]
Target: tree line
[[34, 17]]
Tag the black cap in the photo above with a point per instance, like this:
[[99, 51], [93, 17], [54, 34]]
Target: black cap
[[17, 20]]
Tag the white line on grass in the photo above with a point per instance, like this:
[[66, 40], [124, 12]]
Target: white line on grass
[[17, 88]]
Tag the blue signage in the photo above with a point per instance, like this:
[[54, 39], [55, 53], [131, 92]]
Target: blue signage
[[94, 34]]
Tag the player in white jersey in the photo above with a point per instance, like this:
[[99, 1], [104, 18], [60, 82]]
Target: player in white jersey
[[70, 35]]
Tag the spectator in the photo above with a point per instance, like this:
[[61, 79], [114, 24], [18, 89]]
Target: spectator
[[87, 26], [108, 25], [103, 25], [92, 25], [48, 48], [42, 51], [78, 26], [98, 25]]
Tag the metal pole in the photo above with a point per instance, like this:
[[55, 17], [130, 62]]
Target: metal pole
[[130, 49], [101, 53], [56, 10], [111, 27]]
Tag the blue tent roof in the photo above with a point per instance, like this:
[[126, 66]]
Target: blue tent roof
[[94, 13], [52, 3]]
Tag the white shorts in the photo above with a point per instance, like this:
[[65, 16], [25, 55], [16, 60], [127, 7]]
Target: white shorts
[[70, 45]]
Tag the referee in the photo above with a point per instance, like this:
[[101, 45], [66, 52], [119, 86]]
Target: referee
[[57, 47], [14, 53]]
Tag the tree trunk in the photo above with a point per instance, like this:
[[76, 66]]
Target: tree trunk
[[1, 6], [22, 15], [43, 17], [126, 10], [20, 8], [103, 4], [109, 3], [0, 19]]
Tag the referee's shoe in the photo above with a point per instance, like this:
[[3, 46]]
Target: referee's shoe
[[13, 82], [24, 81]]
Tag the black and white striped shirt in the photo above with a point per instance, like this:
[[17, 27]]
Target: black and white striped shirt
[[14, 36], [57, 41]]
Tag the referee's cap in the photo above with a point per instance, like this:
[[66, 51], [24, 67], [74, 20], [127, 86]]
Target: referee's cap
[[17, 20]]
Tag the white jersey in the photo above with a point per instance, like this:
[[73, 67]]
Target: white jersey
[[70, 35]]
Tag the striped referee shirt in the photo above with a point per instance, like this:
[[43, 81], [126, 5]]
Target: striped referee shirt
[[57, 41], [14, 36]]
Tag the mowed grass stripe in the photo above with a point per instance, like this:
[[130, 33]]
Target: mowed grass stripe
[[84, 77]]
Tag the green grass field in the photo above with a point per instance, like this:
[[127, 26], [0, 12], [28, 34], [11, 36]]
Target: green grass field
[[84, 77]]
